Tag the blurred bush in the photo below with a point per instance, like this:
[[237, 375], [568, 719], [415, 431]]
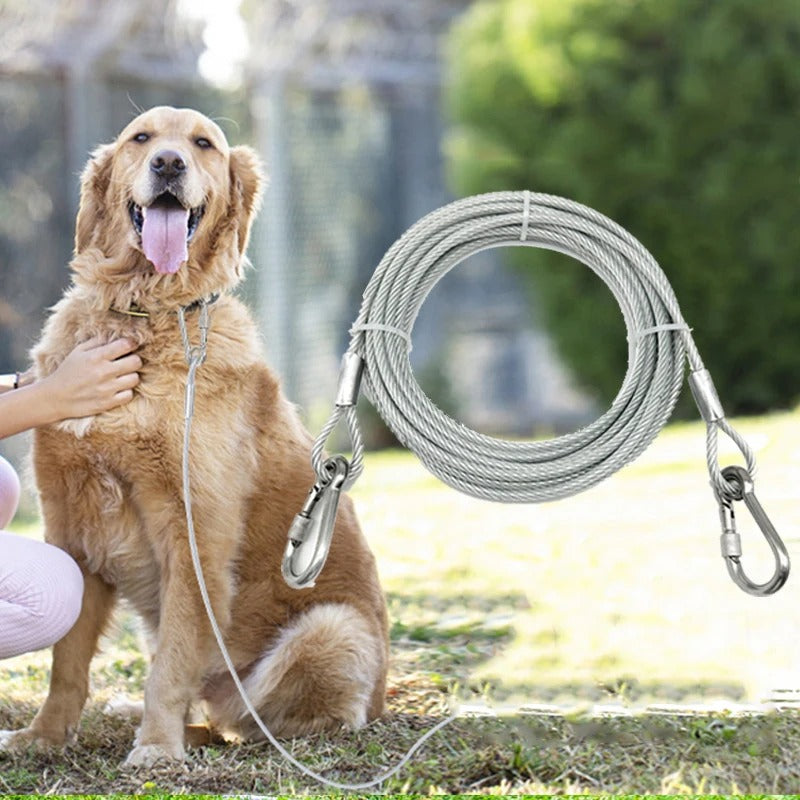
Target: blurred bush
[[676, 118]]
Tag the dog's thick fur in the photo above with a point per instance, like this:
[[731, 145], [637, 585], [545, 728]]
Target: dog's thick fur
[[110, 485]]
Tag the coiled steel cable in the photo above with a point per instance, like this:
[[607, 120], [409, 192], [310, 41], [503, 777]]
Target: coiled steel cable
[[659, 345]]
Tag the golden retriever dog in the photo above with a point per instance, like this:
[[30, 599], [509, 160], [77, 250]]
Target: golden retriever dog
[[164, 220]]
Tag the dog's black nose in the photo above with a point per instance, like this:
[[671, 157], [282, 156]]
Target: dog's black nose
[[167, 164]]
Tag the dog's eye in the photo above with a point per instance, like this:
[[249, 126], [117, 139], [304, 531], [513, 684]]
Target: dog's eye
[[201, 141], [141, 137]]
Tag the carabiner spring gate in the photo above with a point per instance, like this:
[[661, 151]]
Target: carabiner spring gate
[[731, 542], [311, 531]]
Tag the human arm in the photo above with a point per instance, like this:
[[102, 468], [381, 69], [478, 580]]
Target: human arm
[[93, 378]]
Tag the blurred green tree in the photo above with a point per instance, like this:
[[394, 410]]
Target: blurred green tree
[[676, 118]]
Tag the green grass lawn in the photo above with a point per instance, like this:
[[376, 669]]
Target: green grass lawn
[[585, 613]]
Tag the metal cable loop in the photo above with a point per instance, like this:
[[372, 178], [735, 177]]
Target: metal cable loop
[[356, 463], [721, 486]]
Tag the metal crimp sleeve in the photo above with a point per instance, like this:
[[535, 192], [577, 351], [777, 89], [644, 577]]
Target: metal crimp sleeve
[[705, 396]]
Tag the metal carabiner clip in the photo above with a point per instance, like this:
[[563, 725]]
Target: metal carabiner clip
[[731, 542], [312, 529]]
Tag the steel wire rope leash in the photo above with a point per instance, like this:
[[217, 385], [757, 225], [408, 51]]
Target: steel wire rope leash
[[659, 344]]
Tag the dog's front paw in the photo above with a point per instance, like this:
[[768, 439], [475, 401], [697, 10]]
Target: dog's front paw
[[146, 755], [17, 741]]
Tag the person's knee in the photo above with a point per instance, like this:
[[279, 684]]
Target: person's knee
[[56, 600], [41, 592]]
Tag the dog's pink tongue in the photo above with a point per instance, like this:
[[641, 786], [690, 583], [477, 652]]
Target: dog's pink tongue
[[164, 237]]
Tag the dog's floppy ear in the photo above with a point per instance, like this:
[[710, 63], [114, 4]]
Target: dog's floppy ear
[[247, 183], [94, 183]]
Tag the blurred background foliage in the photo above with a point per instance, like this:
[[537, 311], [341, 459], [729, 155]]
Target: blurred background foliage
[[677, 119]]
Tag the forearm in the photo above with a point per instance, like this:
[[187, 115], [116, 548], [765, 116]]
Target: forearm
[[27, 407]]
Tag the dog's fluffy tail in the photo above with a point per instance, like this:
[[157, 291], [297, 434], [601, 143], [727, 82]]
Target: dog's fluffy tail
[[320, 674]]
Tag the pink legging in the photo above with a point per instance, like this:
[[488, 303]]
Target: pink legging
[[41, 587]]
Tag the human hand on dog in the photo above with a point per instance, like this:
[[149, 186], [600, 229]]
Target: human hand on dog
[[93, 378]]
